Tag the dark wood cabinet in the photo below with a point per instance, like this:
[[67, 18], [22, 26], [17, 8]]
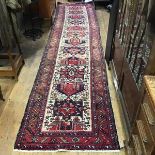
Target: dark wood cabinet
[[111, 30], [131, 52], [144, 126], [46, 8]]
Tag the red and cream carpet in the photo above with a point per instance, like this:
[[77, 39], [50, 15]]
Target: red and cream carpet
[[69, 107]]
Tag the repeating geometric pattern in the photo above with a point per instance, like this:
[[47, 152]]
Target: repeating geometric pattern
[[69, 107]]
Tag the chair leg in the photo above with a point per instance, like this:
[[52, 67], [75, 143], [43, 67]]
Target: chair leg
[[1, 95]]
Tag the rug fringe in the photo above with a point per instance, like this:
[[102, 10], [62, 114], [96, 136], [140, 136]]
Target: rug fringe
[[61, 150]]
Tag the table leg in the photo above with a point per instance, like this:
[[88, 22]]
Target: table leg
[[1, 95]]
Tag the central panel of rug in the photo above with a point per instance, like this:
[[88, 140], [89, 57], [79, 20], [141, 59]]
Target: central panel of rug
[[69, 107]]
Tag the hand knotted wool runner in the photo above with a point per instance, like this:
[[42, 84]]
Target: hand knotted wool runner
[[69, 107]]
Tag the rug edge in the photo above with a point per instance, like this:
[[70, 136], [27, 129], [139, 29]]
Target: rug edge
[[61, 150]]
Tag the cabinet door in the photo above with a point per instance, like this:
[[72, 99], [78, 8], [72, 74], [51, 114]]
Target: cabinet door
[[130, 93], [46, 8]]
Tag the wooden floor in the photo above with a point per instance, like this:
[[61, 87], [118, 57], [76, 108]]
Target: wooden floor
[[12, 111]]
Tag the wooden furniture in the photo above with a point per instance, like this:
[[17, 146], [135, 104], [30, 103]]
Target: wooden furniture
[[143, 136], [111, 30], [131, 53], [46, 8], [1, 95], [15, 61], [11, 62], [33, 21]]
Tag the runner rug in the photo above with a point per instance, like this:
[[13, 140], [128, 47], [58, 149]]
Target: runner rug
[[69, 107]]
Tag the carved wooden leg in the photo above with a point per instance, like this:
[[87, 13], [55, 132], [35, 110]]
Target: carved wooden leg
[[1, 95]]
